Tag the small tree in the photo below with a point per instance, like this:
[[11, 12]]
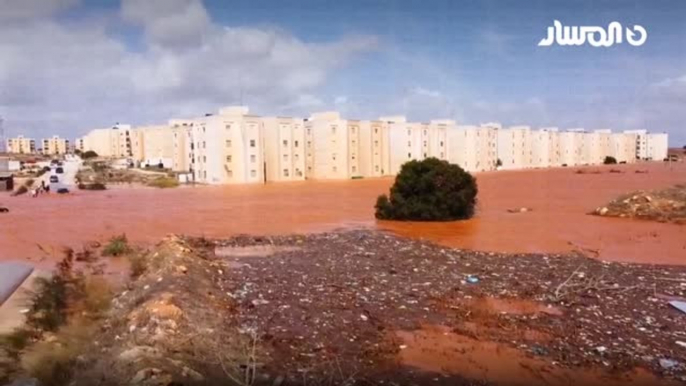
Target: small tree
[[609, 160], [89, 154], [429, 190]]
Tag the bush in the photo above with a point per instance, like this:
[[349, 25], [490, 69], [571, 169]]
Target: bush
[[118, 245], [89, 154], [429, 190], [610, 160], [164, 182]]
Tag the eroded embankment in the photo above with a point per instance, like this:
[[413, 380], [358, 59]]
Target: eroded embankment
[[360, 306]]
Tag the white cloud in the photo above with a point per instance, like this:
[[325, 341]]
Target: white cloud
[[29, 9], [67, 78]]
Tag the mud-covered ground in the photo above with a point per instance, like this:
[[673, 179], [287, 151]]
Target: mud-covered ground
[[365, 307]]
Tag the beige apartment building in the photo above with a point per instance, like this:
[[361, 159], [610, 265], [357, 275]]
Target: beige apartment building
[[473, 148], [153, 145], [284, 148], [641, 146], [545, 144], [54, 146], [20, 145], [623, 147], [514, 147], [375, 158], [182, 139], [658, 146], [328, 139], [228, 148], [115, 141], [571, 145], [416, 141]]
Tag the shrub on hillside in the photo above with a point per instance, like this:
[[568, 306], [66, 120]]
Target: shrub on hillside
[[610, 160], [429, 190], [118, 245], [89, 154]]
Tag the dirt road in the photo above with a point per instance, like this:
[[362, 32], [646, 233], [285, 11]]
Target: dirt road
[[36, 229]]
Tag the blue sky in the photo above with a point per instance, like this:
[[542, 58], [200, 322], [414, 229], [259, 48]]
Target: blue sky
[[474, 61]]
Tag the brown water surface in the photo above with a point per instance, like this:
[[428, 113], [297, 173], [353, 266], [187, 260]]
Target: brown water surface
[[37, 229], [436, 349]]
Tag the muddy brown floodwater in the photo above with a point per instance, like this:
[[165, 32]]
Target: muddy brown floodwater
[[37, 229]]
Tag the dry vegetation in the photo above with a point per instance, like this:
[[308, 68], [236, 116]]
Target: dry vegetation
[[97, 174], [666, 205]]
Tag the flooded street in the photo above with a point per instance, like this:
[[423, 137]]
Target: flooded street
[[37, 229]]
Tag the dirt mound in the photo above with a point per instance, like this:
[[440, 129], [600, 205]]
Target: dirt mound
[[169, 327], [668, 205]]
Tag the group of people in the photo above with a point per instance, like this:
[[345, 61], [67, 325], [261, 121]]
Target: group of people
[[43, 188]]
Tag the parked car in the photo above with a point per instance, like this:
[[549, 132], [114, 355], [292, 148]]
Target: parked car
[[54, 162], [62, 191], [54, 179], [59, 170]]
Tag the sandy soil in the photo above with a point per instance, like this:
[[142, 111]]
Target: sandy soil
[[37, 229]]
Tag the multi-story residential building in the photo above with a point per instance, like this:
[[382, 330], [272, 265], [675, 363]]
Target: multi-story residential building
[[571, 145], [153, 145], [115, 141], [228, 148], [375, 158], [641, 143], [54, 146], [284, 148], [416, 141], [602, 145], [545, 144], [473, 148], [326, 147], [514, 147], [623, 147], [182, 140], [657, 146], [20, 145]]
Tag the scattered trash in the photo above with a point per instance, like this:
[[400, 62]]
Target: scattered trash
[[601, 349], [681, 306], [680, 343], [472, 279], [668, 363]]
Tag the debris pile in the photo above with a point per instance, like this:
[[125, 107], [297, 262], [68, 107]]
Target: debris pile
[[668, 205]]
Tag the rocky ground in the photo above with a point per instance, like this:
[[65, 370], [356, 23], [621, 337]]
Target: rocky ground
[[331, 309], [667, 205]]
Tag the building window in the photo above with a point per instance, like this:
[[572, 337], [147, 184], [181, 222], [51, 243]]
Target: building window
[[376, 130], [334, 169], [252, 143], [354, 169], [253, 173], [309, 143], [376, 143], [295, 144], [228, 127], [409, 155], [204, 145], [333, 156], [229, 173], [204, 159], [253, 158], [296, 157], [285, 157], [228, 158], [409, 144], [333, 130], [285, 143], [376, 168], [424, 143], [441, 144], [228, 143], [409, 132], [352, 130], [424, 132], [285, 172]]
